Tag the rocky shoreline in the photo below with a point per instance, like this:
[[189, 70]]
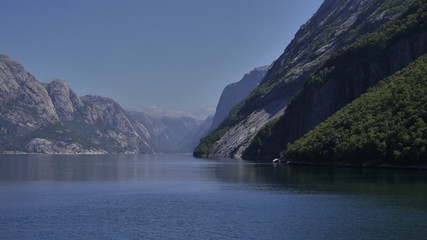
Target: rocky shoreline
[[57, 153]]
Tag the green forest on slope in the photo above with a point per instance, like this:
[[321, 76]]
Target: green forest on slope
[[369, 46], [385, 125], [254, 100]]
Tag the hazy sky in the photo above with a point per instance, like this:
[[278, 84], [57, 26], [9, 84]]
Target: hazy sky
[[174, 54]]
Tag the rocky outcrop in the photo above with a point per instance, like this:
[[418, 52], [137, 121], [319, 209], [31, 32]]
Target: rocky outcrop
[[65, 101], [336, 24], [42, 145], [24, 101], [235, 92]]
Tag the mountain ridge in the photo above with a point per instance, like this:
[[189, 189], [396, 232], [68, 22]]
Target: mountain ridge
[[334, 25], [344, 77], [51, 118], [236, 91]]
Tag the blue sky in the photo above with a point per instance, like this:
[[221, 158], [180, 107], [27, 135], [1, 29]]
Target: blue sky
[[174, 54]]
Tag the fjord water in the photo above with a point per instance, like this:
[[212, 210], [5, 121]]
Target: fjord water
[[180, 197]]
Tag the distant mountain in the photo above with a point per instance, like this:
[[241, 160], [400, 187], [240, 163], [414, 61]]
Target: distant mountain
[[235, 92], [50, 118], [171, 134], [247, 130], [194, 138]]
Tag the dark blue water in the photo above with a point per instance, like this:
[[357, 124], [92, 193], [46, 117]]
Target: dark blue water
[[179, 197]]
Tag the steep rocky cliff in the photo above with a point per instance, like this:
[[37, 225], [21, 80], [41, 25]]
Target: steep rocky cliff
[[25, 102], [51, 118], [235, 92], [344, 77], [337, 23], [384, 127]]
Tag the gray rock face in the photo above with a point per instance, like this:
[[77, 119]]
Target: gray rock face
[[24, 101], [51, 118], [42, 145], [235, 92], [315, 105], [64, 99], [337, 23]]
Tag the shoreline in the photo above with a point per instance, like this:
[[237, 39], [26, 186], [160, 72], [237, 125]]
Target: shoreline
[[367, 165], [56, 153]]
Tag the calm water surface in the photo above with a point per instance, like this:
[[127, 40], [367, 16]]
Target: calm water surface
[[180, 197]]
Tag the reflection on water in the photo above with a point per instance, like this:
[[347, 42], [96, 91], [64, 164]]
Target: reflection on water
[[185, 168], [329, 179], [180, 197], [92, 167]]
